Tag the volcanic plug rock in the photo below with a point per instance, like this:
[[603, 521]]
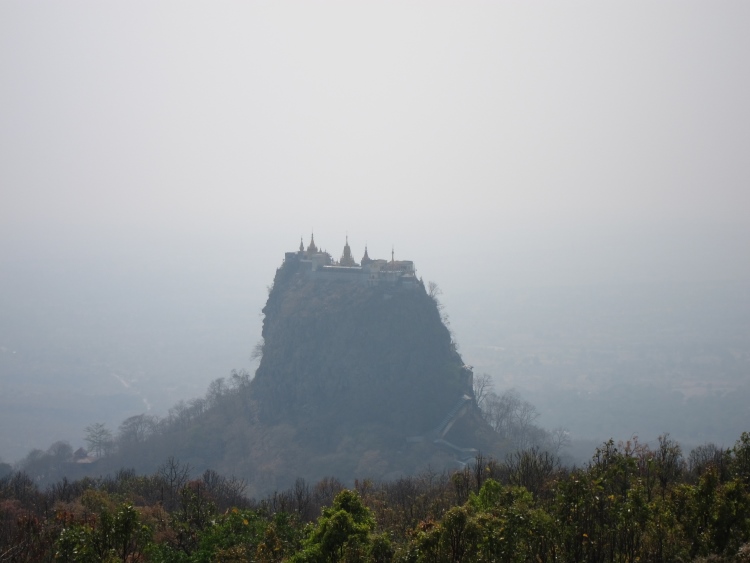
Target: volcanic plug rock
[[350, 346], [358, 378]]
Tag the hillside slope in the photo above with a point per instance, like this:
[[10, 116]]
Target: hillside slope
[[356, 380]]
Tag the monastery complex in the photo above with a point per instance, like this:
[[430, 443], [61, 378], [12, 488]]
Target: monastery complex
[[319, 263]]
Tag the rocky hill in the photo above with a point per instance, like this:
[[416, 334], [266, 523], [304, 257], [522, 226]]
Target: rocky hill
[[364, 371], [358, 378], [344, 352]]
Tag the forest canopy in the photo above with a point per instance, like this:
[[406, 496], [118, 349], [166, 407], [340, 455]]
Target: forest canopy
[[629, 503]]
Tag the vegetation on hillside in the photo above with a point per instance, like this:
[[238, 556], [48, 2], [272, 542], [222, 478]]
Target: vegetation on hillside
[[348, 372], [630, 503]]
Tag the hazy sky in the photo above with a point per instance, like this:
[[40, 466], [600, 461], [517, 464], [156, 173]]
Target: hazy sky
[[187, 145], [532, 134]]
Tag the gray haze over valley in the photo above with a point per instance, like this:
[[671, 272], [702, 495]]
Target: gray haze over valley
[[575, 178]]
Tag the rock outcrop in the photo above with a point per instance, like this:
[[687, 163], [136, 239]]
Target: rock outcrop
[[343, 352]]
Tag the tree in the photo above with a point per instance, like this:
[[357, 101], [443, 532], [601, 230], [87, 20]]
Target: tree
[[326, 490], [513, 418], [241, 379], [531, 469], [226, 492], [118, 536], [509, 527], [559, 438], [175, 476], [257, 353], [482, 388], [302, 499], [99, 439], [60, 452], [459, 534], [740, 464], [434, 291], [136, 429], [341, 533], [216, 389], [705, 456], [669, 462]]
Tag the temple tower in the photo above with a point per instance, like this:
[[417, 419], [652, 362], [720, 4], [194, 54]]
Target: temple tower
[[366, 258], [312, 249], [346, 257]]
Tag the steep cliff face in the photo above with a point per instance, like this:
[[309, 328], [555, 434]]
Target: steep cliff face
[[340, 353]]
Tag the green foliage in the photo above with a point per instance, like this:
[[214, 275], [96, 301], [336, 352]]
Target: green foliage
[[604, 512], [110, 536], [511, 528], [380, 549], [715, 515], [341, 533], [740, 465], [237, 535]]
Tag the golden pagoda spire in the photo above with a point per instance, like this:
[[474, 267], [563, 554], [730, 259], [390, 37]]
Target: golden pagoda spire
[[312, 249], [366, 257], [346, 258]]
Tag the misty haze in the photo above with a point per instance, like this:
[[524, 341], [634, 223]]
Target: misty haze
[[570, 182]]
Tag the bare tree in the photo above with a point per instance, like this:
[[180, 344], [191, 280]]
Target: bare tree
[[216, 389], [302, 499], [136, 429], [508, 413], [434, 291], [531, 468], [325, 490], [669, 462], [705, 456], [60, 451], [175, 476], [479, 471], [257, 353], [514, 419], [197, 407], [483, 386], [240, 379], [226, 492], [559, 438], [99, 439]]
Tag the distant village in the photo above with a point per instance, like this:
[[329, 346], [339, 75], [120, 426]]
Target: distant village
[[319, 263]]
